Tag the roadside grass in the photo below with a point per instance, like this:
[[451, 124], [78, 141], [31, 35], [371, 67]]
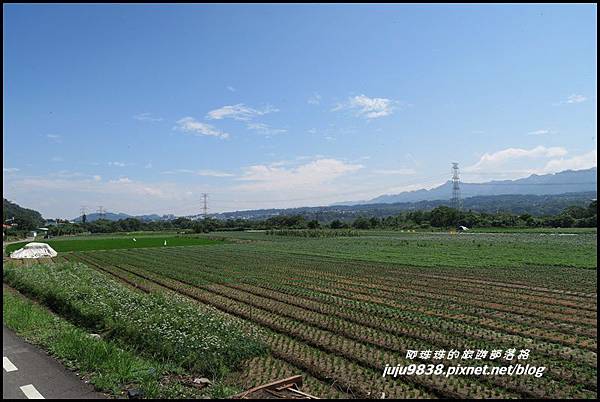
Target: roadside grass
[[122, 242], [110, 368], [164, 328]]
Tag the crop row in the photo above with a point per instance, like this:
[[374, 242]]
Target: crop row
[[414, 324], [515, 384], [495, 320]]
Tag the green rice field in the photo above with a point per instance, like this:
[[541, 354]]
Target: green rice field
[[121, 242]]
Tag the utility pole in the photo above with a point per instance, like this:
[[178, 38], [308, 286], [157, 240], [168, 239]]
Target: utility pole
[[205, 206], [456, 200], [101, 211]]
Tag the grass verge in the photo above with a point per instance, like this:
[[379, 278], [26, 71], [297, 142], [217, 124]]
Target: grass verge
[[110, 368], [169, 329]]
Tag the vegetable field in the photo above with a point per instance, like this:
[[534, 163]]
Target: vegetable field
[[120, 242], [340, 309]]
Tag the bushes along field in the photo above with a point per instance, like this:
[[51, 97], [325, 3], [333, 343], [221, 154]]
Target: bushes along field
[[198, 340]]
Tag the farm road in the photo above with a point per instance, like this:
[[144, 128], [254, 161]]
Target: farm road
[[29, 373]]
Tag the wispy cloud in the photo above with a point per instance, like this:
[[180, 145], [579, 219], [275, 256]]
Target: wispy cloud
[[576, 98], [369, 108], [56, 159], [399, 172], [309, 175], [10, 170], [147, 117], [239, 112], [201, 172], [194, 127], [117, 164], [213, 173], [54, 138], [541, 132], [576, 162], [121, 180], [176, 171], [315, 99], [265, 129], [496, 159], [230, 88]]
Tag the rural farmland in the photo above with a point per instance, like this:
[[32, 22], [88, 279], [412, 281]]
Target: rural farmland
[[300, 201], [338, 309]]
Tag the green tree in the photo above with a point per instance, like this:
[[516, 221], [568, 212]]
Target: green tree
[[314, 224], [361, 223]]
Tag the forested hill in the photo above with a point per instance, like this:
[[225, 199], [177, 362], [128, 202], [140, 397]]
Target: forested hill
[[25, 218], [537, 205]]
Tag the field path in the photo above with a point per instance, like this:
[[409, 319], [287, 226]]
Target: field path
[[6, 243], [29, 373]]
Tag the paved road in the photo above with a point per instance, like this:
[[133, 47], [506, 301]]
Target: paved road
[[29, 373]]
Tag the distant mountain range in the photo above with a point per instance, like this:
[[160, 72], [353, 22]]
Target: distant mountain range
[[537, 205], [536, 195], [568, 181], [118, 216]]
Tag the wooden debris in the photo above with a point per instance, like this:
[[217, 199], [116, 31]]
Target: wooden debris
[[287, 388]]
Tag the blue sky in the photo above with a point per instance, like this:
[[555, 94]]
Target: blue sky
[[142, 108]]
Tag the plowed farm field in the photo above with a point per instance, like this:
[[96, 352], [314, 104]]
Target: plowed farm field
[[339, 310]]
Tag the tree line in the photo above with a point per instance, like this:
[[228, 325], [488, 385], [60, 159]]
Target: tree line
[[439, 217]]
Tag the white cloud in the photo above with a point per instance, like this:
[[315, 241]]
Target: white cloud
[[311, 175], [370, 108], [238, 112], [117, 164], [62, 196], [496, 159], [315, 99], [513, 163], [541, 132], [148, 165], [406, 171], [265, 129], [176, 171], [576, 162], [192, 126], [10, 170], [201, 172], [54, 138], [57, 159], [147, 117], [230, 88], [121, 180], [576, 98], [213, 173]]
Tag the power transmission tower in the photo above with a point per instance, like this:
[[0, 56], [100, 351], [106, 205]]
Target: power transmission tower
[[205, 206], [101, 211], [456, 200], [83, 214]]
